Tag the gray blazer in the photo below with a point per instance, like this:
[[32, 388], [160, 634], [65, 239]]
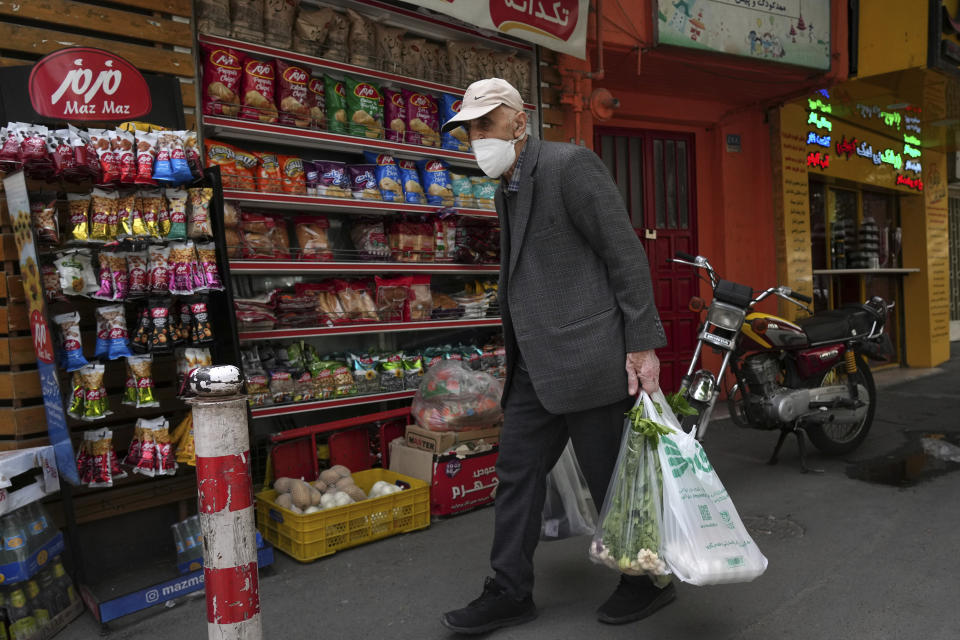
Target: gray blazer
[[575, 291]]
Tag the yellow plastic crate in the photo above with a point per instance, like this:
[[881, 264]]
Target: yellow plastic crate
[[308, 537]]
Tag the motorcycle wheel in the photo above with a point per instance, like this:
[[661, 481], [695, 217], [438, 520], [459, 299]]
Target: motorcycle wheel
[[838, 439]]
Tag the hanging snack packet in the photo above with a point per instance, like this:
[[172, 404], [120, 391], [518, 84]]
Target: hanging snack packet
[[69, 325], [137, 279], [79, 216], [191, 149], [387, 175], [160, 339], [99, 444], [410, 179], [105, 292], [257, 94], [423, 121], [207, 255], [116, 472], [395, 115], [95, 405], [333, 180], [199, 225], [151, 202], [43, 214], [181, 271], [119, 276], [162, 166], [363, 181], [146, 156], [201, 330], [335, 94], [136, 446], [457, 139], [180, 321], [293, 95], [177, 199], [391, 372], [129, 387], [102, 205], [51, 284], [77, 277], [159, 269], [141, 337], [364, 108], [182, 173], [126, 202], [147, 461], [75, 406], [141, 369], [166, 464], [293, 180], [116, 323], [122, 144], [436, 178], [163, 218], [109, 163]]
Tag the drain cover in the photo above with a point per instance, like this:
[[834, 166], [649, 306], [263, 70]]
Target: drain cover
[[773, 527], [925, 455]]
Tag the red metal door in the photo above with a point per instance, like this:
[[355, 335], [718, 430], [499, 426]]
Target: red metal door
[[654, 172]]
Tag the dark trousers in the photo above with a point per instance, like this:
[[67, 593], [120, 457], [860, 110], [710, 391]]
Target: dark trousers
[[531, 442]]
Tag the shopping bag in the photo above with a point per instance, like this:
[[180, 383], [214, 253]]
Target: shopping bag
[[628, 538], [704, 540], [568, 510]]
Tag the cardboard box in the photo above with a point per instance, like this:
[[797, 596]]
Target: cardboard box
[[457, 484], [46, 479], [444, 441]]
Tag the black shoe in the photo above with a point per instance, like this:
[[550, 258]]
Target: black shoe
[[636, 597], [492, 610]]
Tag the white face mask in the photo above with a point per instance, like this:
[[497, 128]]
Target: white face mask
[[495, 155]]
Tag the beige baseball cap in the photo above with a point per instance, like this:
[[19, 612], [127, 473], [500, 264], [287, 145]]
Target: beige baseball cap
[[482, 97]]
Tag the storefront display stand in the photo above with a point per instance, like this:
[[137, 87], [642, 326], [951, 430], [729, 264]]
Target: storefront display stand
[[246, 131], [377, 327], [301, 204], [250, 267], [111, 609], [272, 411]]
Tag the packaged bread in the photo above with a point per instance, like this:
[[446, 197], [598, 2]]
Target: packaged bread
[[310, 30], [431, 54], [313, 238], [463, 63], [411, 57], [338, 37], [279, 238], [234, 243], [362, 39], [278, 18], [389, 47], [247, 19]]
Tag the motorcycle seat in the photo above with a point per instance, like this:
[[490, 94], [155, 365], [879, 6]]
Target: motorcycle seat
[[847, 322]]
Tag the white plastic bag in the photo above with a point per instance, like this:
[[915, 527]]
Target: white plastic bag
[[568, 510], [704, 540]]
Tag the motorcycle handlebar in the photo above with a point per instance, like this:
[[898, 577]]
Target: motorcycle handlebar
[[799, 296], [686, 256]]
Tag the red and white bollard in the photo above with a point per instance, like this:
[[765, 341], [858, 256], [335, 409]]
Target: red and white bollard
[[226, 504]]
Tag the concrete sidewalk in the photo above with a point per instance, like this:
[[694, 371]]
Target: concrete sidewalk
[[848, 559]]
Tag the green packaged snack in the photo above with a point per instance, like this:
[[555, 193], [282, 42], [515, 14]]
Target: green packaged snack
[[412, 371], [364, 108], [335, 93], [392, 372]]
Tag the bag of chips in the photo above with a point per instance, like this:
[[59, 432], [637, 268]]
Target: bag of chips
[[115, 320], [199, 223], [159, 269], [177, 200], [423, 123], [394, 115], [335, 94], [410, 179], [435, 178], [333, 180], [364, 108], [69, 326], [293, 180], [222, 72], [77, 277], [258, 91], [293, 94], [387, 174], [363, 181], [457, 139]]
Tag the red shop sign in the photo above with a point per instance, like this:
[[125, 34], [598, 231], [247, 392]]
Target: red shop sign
[[560, 22], [82, 83]]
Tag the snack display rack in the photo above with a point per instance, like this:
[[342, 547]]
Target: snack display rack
[[262, 135]]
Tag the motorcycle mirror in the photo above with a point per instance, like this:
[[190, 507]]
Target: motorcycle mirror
[[696, 304]]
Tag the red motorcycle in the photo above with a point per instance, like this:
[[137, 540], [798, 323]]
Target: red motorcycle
[[809, 377]]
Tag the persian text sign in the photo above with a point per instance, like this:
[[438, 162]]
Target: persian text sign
[[560, 25], [787, 31], [81, 83]]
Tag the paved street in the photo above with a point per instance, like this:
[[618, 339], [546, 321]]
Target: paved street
[[848, 559]]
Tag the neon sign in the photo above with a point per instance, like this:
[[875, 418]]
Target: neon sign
[[893, 158], [824, 93], [912, 166], [846, 147], [818, 104], [910, 151], [912, 183], [814, 138], [913, 124], [891, 119], [818, 122], [817, 159]]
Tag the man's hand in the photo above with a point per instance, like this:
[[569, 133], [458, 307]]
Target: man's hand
[[645, 367]]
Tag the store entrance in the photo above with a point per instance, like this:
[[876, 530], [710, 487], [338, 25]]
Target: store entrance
[[654, 172]]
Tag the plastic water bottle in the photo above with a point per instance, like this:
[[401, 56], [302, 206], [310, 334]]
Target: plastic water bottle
[[22, 624], [14, 539], [39, 531], [194, 524], [63, 580]]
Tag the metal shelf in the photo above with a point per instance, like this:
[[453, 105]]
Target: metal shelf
[[300, 204], [296, 266], [313, 139], [271, 411], [373, 327], [853, 272], [340, 67]]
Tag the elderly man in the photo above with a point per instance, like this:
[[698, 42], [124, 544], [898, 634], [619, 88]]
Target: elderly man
[[580, 330]]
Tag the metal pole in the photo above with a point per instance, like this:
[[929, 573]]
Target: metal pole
[[226, 504]]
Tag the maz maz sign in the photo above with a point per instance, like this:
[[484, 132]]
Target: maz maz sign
[[82, 83]]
